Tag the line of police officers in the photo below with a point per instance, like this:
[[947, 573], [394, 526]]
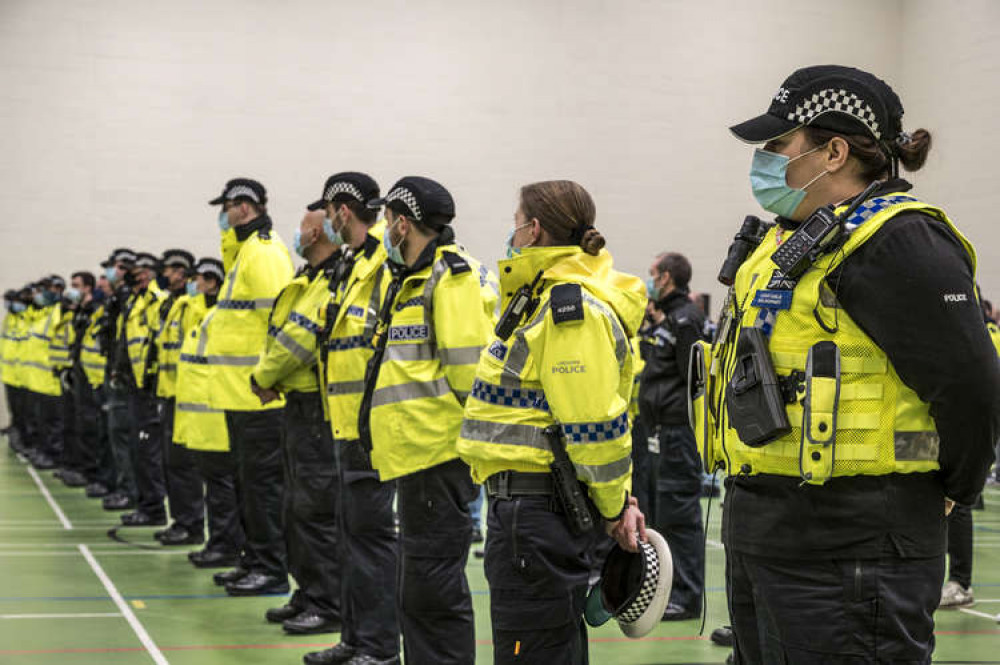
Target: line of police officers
[[293, 412]]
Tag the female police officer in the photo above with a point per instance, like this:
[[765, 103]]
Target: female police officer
[[560, 357], [882, 401]]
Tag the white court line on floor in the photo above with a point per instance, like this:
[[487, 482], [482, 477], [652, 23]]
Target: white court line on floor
[[714, 543], [48, 553], [984, 615], [140, 632], [48, 497], [83, 615]]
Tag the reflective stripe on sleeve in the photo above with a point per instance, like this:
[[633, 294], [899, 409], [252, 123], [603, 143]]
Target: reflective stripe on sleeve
[[296, 349], [408, 391], [237, 361], [345, 387], [462, 355], [258, 303], [603, 473]]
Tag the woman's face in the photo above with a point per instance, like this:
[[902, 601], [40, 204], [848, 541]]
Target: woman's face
[[800, 171]]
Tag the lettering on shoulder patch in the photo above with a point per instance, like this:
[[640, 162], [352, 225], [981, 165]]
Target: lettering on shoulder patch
[[354, 310], [407, 333], [456, 263], [956, 297], [566, 303]]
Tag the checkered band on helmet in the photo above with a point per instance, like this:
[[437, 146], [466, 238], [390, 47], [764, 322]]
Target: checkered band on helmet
[[343, 188], [838, 100], [648, 590], [242, 190], [407, 197]]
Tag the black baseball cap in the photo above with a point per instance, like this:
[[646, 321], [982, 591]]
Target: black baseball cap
[[211, 267], [179, 258], [120, 255], [241, 188], [833, 97], [419, 198], [348, 185]]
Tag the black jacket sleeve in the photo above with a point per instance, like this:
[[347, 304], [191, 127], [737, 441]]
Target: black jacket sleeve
[[687, 329], [911, 288]]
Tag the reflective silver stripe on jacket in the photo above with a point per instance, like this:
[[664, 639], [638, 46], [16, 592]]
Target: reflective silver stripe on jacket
[[256, 303], [418, 351], [197, 408], [345, 387], [236, 361], [460, 355], [513, 434], [603, 473], [300, 352], [408, 391]]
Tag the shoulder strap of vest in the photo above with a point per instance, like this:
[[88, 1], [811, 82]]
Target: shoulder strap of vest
[[456, 262], [566, 301]]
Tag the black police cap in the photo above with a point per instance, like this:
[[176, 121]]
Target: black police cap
[[179, 258], [241, 188], [146, 260], [419, 198], [833, 97], [10, 294], [120, 255], [210, 267], [359, 186]]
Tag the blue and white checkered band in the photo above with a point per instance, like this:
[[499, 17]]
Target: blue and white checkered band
[[211, 270], [647, 592], [407, 197], [242, 190], [872, 206], [826, 101], [343, 188], [127, 257]]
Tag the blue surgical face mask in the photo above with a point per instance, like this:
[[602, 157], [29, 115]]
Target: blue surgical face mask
[[769, 182], [73, 295], [509, 248], [332, 234], [223, 221], [297, 242], [192, 288], [394, 252], [652, 290], [111, 273], [39, 299], [18, 307]]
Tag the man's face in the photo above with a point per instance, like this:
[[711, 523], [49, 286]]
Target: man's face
[[104, 285], [176, 276], [239, 212]]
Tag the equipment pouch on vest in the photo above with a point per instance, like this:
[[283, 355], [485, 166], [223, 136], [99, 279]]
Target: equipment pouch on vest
[[753, 397], [699, 415], [819, 412]]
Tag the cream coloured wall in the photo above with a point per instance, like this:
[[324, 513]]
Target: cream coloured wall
[[120, 119]]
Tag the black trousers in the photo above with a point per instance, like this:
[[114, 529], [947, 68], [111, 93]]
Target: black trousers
[[833, 612], [146, 438], [15, 406], [539, 573], [50, 424], [435, 535], [677, 513], [643, 473], [107, 471], [185, 491], [312, 505], [119, 431], [70, 457], [369, 549], [222, 506], [87, 418], [960, 545], [255, 438]]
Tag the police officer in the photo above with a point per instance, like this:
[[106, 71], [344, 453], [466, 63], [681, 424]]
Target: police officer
[[835, 515], [560, 356], [676, 495], [370, 627], [42, 382], [288, 367], [136, 367], [185, 492], [434, 320], [235, 334], [90, 364], [202, 429], [10, 365], [114, 345], [77, 462]]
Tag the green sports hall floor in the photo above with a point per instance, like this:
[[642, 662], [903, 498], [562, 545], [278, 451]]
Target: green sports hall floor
[[69, 594]]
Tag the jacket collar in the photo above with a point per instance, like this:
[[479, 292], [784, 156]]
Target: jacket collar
[[674, 299], [426, 259], [262, 223]]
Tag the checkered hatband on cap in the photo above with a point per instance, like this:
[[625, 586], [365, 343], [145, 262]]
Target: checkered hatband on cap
[[648, 590], [839, 100], [242, 190], [407, 197], [343, 188]]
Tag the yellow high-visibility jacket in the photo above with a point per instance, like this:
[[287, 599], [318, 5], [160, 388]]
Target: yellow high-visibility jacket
[[292, 351], [38, 373], [93, 358], [8, 341], [994, 334], [63, 337], [17, 334], [569, 362], [440, 318], [179, 320], [349, 345], [136, 326], [197, 425], [867, 422], [235, 330]]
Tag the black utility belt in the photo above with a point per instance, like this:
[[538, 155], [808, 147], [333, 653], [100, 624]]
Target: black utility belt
[[509, 484]]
